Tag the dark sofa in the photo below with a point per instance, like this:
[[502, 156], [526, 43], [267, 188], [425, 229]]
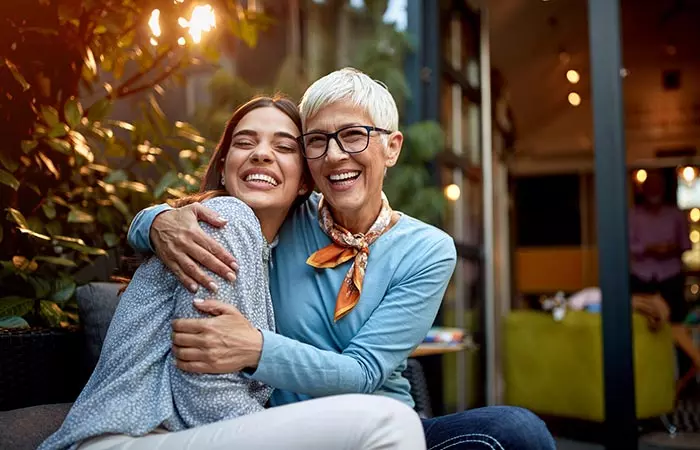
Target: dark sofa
[[26, 428]]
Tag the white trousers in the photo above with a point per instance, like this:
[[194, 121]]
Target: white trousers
[[344, 422]]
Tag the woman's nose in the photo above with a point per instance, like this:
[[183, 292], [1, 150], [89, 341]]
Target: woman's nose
[[335, 153], [262, 153]]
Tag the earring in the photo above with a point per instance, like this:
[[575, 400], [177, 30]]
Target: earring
[[223, 180], [302, 191]]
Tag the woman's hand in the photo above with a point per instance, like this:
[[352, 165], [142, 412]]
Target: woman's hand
[[181, 244], [225, 343]]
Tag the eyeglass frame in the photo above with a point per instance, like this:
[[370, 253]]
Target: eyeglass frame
[[334, 136]]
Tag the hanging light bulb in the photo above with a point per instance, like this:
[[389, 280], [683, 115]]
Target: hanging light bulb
[[452, 192]]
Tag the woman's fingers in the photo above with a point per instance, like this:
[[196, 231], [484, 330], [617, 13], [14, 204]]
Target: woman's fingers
[[187, 353], [212, 255], [188, 340]]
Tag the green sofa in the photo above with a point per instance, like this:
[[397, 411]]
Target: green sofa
[[556, 368]]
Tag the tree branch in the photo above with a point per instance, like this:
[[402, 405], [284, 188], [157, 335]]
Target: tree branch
[[168, 72], [124, 87]]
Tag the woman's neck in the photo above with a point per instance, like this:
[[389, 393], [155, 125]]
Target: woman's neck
[[270, 223], [359, 221]]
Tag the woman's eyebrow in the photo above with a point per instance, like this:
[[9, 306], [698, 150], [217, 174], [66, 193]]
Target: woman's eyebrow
[[284, 134], [245, 133]]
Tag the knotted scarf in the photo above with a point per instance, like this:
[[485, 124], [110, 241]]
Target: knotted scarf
[[344, 247]]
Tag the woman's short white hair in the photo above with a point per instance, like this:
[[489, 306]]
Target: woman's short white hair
[[352, 85]]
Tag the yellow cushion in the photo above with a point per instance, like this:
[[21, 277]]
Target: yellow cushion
[[556, 368]]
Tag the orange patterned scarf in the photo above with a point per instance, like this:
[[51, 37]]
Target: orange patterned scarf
[[345, 246]]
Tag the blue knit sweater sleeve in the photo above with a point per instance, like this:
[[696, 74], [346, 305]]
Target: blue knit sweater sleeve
[[392, 332]]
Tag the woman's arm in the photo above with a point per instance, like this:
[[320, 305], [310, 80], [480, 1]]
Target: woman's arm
[[392, 332], [202, 398], [179, 241]]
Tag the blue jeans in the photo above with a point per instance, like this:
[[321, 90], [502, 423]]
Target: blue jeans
[[491, 428]]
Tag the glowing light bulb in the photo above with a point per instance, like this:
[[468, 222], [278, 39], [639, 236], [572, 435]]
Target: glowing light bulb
[[574, 99], [695, 214], [452, 192], [695, 236], [688, 174], [573, 76], [154, 23], [641, 176]]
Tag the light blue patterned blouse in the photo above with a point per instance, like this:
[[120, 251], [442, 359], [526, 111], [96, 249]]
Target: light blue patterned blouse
[[136, 386]]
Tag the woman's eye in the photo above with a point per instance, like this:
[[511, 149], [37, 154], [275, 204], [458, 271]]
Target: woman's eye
[[243, 144]]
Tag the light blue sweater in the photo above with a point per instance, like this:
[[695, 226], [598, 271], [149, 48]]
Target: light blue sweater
[[408, 271]]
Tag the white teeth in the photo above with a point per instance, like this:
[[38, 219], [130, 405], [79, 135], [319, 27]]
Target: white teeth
[[343, 176], [261, 177]]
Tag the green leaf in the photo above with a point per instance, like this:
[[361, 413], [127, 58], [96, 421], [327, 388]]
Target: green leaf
[[29, 232], [120, 206], [18, 218], [15, 306], [99, 110], [117, 175], [28, 146], [73, 111], [49, 114], [54, 228], [49, 209], [65, 262], [121, 124], [13, 322], [133, 186], [9, 163], [51, 312], [84, 249], [42, 286], [168, 180], [90, 63], [111, 239], [63, 289], [60, 145], [58, 130], [8, 179], [17, 76], [77, 216], [35, 224]]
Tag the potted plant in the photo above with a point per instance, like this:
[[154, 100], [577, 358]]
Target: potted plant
[[67, 188]]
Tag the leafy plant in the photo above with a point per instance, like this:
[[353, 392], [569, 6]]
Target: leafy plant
[[378, 50], [67, 169]]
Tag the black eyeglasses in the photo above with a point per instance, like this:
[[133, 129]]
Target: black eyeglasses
[[351, 139]]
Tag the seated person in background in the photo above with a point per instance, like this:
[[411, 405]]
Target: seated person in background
[[658, 238]]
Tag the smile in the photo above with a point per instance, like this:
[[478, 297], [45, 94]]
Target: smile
[[344, 177], [261, 178]]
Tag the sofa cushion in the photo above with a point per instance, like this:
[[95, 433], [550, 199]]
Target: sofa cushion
[[96, 303], [26, 428]]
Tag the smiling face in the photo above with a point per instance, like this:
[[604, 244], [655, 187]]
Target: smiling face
[[264, 166], [352, 183]]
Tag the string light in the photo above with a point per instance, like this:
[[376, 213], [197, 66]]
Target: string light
[[452, 192]]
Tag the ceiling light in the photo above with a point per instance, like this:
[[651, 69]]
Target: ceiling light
[[573, 76], [574, 99]]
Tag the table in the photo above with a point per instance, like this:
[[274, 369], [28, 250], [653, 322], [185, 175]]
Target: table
[[437, 349]]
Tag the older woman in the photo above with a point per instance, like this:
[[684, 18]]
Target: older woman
[[355, 285]]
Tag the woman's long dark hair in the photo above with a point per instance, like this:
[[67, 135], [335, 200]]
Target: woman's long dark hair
[[211, 183]]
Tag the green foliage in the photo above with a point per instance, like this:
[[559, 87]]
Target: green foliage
[[64, 202], [379, 50]]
